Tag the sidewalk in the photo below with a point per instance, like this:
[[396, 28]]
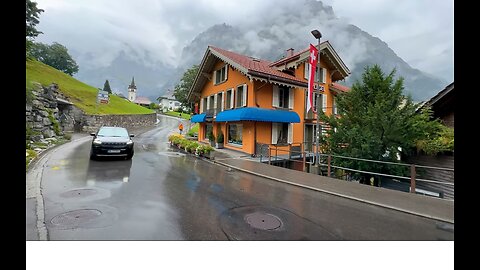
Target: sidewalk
[[415, 204]]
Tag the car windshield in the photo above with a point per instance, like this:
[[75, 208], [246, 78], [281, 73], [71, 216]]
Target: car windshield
[[112, 132]]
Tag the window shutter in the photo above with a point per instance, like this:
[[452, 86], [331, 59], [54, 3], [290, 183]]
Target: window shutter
[[208, 103], [324, 102], [324, 75], [274, 133], [214, 77], [222, 101], [305, 70], [275, 101], [291, 95], [232, 98], [290, 133], [226, 72], [201, 105], [215, 101], [244, 101]]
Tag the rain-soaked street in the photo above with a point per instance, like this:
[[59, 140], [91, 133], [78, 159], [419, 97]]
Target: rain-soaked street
[[164, 195]]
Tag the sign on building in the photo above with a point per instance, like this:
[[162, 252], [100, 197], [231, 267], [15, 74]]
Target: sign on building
[[102, 97]]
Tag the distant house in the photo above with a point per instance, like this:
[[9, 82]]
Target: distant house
[[168, 102], [142, 101]]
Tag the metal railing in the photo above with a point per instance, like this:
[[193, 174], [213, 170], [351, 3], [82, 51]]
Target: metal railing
[[299, 155]]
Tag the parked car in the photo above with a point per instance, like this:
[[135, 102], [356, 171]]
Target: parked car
[[112, 141]]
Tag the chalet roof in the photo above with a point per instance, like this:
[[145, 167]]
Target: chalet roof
[[252, 68], [340, 72]]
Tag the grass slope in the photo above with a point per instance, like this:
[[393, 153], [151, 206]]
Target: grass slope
[[82, 95]]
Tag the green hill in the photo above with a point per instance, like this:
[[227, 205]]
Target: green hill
[[82, 95]]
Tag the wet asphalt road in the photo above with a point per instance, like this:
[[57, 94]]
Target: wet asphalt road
[[165, 195]]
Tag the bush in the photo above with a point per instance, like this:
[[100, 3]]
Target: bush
[[220, 137], [210, 136]]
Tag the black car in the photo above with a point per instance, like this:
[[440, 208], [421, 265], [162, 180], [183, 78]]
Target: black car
[[112, 141]]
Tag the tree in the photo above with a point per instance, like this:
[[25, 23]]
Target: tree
[[376, 122], [55, 55], [181, 90], [106, 87], [32, 16]]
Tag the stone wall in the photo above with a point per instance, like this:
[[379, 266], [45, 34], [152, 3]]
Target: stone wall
[[42, 114], [91, 123]]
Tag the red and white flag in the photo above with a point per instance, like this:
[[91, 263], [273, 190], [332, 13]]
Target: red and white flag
[[311, 76]]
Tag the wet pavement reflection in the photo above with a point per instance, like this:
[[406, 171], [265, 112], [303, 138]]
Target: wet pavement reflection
[[162, 194]]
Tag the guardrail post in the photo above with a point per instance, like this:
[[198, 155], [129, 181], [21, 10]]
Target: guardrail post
[[413, 175], [329, 159], [269, 155]]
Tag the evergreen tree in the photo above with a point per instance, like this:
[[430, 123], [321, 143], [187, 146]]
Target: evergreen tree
[[376, 122], [106, 87]]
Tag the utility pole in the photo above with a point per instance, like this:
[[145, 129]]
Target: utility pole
[[317, 35]]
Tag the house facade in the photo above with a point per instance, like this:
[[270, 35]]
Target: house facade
[[254, 102]]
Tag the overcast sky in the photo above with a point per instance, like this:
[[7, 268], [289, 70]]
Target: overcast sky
[[419, 31]]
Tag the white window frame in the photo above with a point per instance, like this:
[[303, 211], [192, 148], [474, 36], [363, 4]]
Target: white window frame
[[232, 98], [219, 70]]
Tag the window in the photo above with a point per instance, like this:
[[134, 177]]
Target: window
[[219, 102], [229, 99], [177, 103], [203, 105], [323, 73], [283, 97], [241, 96], [208, 129], [235, 134], [282, 133], [220, 75]]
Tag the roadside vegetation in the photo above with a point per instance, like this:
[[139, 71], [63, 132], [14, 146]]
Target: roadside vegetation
[[378, 122], [193, 130]]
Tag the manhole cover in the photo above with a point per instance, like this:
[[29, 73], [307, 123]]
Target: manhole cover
[[76, 217], [263, 221], [78, 193]]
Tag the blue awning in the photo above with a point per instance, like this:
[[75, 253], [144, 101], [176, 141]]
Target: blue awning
[[198, 118], [258, 114]]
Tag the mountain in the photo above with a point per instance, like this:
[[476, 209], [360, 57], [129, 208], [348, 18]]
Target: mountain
[[286, 25], [270, 37], [149, 79]]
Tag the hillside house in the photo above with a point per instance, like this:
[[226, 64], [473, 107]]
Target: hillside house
[[254, 102]]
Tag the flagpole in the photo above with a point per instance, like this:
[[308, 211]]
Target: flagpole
[[317, 35]]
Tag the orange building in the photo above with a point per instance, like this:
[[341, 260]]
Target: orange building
[[254, 102]]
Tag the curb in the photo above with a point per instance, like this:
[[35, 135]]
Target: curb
[[339, 194]]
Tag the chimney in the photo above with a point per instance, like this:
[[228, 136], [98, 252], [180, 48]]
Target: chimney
[[289, 52]]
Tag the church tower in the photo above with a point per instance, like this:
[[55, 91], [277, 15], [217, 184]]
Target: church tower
[[132, 91]]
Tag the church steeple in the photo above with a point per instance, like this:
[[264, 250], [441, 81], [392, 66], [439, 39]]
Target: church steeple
[[132, 89], [132, 85]]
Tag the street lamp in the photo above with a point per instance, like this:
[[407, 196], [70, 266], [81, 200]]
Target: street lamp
[[317, 35]]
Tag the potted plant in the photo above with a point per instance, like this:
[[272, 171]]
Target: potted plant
[[207, 151], [219, 143], [211, 138]]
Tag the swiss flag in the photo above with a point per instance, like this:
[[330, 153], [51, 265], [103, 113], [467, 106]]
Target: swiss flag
[[311, 76]]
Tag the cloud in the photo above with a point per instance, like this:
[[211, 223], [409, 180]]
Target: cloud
[[97, 31]]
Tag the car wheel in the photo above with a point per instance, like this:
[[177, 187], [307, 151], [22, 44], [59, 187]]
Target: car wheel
[[129, 156], [92, 155]]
